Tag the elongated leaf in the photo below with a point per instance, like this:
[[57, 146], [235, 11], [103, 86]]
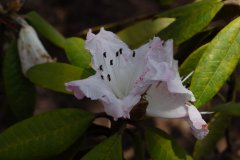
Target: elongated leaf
[[141, 32], [46, 29], [191, 62], [232, 109], [54, 75], [76, 53], [43, 136], [19, 90], [109, 149], [217, 63], [190, 19], [161, 146], [217, 129]]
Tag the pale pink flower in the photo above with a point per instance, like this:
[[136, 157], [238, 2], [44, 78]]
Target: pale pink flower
[[170, 99], [120, 79]]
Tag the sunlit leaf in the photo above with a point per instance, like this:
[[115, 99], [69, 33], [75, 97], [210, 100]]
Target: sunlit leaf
[[19, 90], [76, 53], [43, 136], [190, 20], [192, 60], [109, 149], [217, 63], [45, 29], [162, 146], [54, 75], [142, 31], [217, 129]]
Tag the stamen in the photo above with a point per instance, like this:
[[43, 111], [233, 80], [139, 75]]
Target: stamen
[[109, 78], [102, 77], [104, 54], [120, 50], [111, 62], [189, 75], [100, 67], [117, 54], [134, 53]]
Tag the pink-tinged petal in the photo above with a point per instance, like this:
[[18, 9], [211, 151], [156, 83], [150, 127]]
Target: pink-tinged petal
[[95, 89], [159, 71], [91, 87], [198, 125], [119, 108], [160, 60], [161, 51], [165, 104], [175, 85]]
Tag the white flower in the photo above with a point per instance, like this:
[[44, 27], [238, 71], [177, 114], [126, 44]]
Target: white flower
[[170, 99], [31, 50], [118, 82], [123, 76]]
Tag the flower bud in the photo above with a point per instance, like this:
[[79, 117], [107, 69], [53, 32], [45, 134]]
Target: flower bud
[[31, 50]]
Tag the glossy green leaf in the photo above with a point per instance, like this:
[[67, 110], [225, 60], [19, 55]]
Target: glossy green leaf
[[54, 75], [192, 60], [162, 146], [231, 108], [45, 29], [142, 31], [76, 53], [19, 90], [43, 136], [190, 20], [109, 149], [217, 63], [217, 129]]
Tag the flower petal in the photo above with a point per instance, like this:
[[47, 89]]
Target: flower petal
[[160, 60], [92, 87], [175, 85], [31, 50], [163, 103], [95, 89], [198, 125], [104, 47], [119, 108]]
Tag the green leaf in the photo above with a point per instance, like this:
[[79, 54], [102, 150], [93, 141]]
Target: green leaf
[[161, 146], [76, 53], [192, 60], [43, 136], [45, 29], [217, 129], [19, 90], [142, 31], [54, 75], [190, 20], [217, 63], [109, 149], [231, 108]]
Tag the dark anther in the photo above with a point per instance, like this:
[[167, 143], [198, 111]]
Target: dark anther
[[100, 67], [102, 77], [111, 62], [134, 53], [120, 50], [104, 54], [109, 78], [117, 54]]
